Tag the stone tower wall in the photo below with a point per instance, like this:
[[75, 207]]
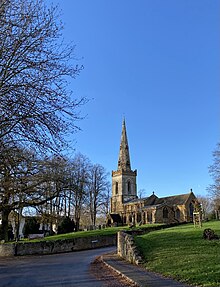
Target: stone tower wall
[[124, 188]]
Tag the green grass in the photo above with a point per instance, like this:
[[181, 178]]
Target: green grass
[[89, 233], [181, 253], [101, 232]]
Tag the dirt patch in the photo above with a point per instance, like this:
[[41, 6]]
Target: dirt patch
[[109, 277]]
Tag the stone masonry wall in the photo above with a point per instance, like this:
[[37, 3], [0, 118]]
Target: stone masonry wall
[[127, 249], [6, 250], [56, 246]]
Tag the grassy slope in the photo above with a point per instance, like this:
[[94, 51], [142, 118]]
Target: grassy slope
[[106, 231], [180, 252]]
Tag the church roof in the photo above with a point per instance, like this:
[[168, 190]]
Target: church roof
[[153, 200], [124, 157], [150, 200], [147, 200], [173, 200]]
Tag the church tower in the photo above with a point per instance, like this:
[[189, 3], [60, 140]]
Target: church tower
[[124, 186]]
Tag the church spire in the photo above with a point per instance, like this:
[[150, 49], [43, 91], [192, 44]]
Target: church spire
[[124, 158]]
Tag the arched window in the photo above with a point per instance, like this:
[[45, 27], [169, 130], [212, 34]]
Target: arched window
[[177, 213], [129, 187], [149, 216], [139, 219], [191, 209], [144, 217], [116, 187], [165, 212]]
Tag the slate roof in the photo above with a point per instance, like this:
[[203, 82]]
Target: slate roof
[[147, 200], [153, 200], [173, 200]]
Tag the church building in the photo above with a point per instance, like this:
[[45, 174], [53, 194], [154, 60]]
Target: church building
[[127, 208]]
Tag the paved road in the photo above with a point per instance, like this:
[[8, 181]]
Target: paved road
[[67, 269]]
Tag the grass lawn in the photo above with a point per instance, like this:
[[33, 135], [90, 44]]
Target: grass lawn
[[105, 231], [101, 232], [181, 252]]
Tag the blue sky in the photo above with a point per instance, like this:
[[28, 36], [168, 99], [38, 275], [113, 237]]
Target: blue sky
[[156, 62]]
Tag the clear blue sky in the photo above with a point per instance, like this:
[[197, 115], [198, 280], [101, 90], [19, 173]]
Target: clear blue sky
[[156, 62]]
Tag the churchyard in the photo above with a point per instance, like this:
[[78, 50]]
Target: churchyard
[[182, 253], [179, 252]]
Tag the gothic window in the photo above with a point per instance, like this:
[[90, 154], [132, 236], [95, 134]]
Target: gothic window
[[165, 212], [191, 209], [129, 187], [177, 213], [139, 217], [143, 217], [116, 188], [149, 216]]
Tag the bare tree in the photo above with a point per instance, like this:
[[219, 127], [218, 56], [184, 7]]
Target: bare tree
[[55, 169], [141, 193], [35, 104], [98, 184], [36, 107], [214, 189], [105, 206], [214, 170], [78, 184], [206, 203], [24, 182]]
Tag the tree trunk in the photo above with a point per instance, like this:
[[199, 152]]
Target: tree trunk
[[5, 214], [77, 223], [94, 216]]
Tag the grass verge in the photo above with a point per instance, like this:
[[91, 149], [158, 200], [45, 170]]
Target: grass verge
[[102, 232], [181, 253]]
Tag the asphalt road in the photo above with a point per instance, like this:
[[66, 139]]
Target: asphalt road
[[66, 269]]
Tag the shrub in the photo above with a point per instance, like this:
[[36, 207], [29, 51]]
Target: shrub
[[66, 226], [10, 233], [31, 226], [209, 234]]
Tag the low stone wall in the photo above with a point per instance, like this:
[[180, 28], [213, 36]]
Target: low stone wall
[[6, 249], [56, 246], [127, 249]]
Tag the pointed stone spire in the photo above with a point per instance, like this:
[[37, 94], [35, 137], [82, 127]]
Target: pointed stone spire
[[124, 158]]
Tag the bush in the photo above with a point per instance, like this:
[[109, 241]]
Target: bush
[[66, 226], [1, 233], [10, 233], [31, 226], [209, 234]]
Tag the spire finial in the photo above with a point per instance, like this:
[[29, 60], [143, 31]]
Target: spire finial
[[123, 122]]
